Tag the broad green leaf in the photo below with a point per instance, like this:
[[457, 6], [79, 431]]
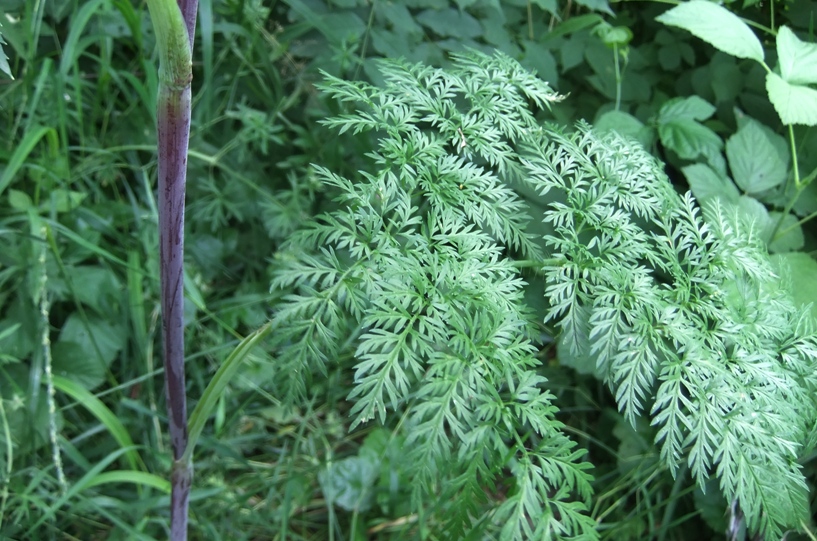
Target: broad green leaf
[[400, 18], [96, 344], [791, 238], [795, 104], [680, 131], [343, 25], [495, 32], [669, 57], [754, 214], [539, 58], [20, 200], [799, 271], [755, 164], [717, 26], [450, 22], [349, 483], [28, 422], [72, 361], [571, 53], [96, 287], [597, 5], [797, 59], [689, 139], [692, 108], [8, 331], [21, 343], [778, 142], [705, 183], [549, 6], [626, 125], [726, 79]]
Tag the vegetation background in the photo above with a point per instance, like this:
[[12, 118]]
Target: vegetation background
[[82, 445]]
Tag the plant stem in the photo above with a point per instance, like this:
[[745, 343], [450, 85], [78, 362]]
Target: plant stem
[[618, 77], [795, 167], [174, 25], [799, 186]]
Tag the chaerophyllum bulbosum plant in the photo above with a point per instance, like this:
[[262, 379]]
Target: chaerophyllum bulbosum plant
[[412, 286], [174, 25]]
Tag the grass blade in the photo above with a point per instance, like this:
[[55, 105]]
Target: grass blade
[[22, 151], [215, 388], [99, 410]]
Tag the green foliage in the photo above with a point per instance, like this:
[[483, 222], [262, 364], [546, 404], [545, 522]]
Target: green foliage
[[4, 61], [407, 279], [411, 283], [76, 152], [794, 100]]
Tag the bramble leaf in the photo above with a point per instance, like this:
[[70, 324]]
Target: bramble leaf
[[717, 26]]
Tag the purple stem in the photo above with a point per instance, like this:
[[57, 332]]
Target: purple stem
[[173, 124], [189, 8], [173, 119]]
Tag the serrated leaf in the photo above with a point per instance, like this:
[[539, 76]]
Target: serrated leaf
[[794, 104], [717, 26], [705, 183], [689, 139], [755, 164], [778, 142], [797, 59], [690, 108]]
